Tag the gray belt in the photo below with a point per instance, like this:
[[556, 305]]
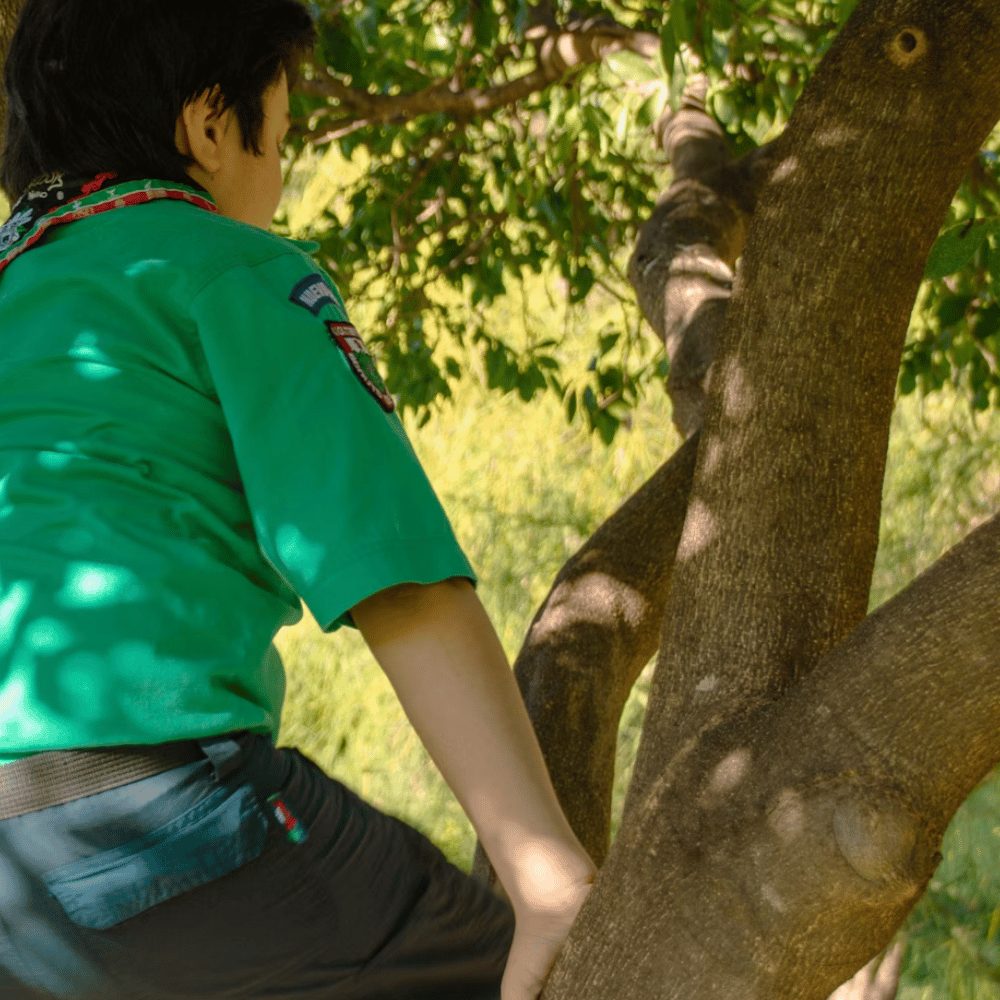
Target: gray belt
[[57, 776]]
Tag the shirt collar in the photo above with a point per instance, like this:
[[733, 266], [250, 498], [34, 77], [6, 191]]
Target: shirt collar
[[58, 198]]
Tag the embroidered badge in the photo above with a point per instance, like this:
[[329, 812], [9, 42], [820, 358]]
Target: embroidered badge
[[312, 293], [11, 231], [362, 363], [294, 830]]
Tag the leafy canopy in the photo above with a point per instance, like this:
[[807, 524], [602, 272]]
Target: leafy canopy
[[428, 216]]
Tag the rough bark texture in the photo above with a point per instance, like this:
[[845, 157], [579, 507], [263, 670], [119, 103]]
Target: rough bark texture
[[682, 266], [810, 824], [725, 898], [782, 525]]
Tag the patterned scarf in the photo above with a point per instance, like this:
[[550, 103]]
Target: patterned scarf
[[53, 192]]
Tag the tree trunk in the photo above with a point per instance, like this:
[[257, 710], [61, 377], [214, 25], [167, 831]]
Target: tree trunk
[[782, 818]]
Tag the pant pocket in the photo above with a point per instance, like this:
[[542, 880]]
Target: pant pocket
[[219, 834]]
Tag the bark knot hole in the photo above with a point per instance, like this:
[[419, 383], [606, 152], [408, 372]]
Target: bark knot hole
[[908, 46], [878, 840]]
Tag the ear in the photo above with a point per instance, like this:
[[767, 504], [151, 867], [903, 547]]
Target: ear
[[200, 128]]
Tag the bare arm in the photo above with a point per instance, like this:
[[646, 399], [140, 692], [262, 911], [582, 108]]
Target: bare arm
[[445, 661]]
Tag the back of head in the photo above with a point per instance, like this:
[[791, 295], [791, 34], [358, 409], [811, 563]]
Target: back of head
[[95, 85]]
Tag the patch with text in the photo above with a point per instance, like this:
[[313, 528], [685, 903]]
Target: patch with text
[[312, 293], [346, 337]]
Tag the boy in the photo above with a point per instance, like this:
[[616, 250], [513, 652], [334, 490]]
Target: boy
[[192, 438]]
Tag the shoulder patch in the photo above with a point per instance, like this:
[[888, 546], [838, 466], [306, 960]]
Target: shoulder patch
[[312, 293], [347, 338]]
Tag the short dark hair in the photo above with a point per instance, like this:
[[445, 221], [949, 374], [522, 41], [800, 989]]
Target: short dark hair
[[97, 85]]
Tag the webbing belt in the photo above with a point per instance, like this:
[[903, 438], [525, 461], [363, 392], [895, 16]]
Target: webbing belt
[[57, 776]]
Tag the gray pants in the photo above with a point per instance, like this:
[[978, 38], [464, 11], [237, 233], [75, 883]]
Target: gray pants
[[247, 874]]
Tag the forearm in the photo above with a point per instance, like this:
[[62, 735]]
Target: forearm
[[442, 656]]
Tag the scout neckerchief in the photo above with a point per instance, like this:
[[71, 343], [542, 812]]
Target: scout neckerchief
[[57, 198]]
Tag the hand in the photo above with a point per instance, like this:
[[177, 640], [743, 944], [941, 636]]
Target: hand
[[878, 980], [539, 934]]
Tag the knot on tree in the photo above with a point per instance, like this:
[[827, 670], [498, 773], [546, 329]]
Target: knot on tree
[[879, 840], [908, 46]]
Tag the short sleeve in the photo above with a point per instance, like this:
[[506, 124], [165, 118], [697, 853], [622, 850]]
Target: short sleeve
[[340, 504]]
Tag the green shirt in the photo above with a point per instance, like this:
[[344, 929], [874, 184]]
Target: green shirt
[[192, 439]]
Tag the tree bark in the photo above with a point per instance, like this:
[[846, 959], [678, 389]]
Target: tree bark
[[774, 563], [785, 545], [686, 252], [790, 842]]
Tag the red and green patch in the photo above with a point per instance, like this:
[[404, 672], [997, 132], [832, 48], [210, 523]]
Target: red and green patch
[[346, 337]]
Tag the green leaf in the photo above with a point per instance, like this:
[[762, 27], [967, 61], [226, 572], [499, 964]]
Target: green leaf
[[987, 322], [632, 67], [606, 426], [724, 107], [486, 23], [952, 309], [652, 107], [608, 341], [993, 265], [955, 247], [583, 281], [570, 407], [668, 47], [722, 14], [621, 126], [680, 22]]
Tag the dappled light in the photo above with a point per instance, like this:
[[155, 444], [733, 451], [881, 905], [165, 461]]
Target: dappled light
[[787, 816], [738, 399], [785, 170], [727, 774], [699, 530]]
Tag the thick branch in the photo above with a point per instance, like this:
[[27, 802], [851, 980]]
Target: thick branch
[[759, 863], [589, 641], [559, 53], [917, 686], [685, 254]]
